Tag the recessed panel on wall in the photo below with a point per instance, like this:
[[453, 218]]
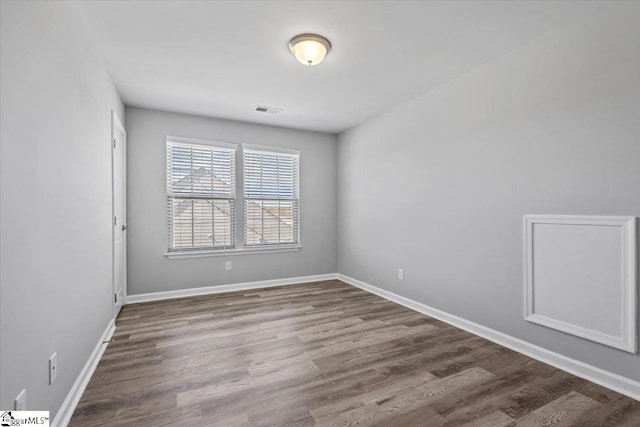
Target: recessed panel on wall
[[580, 276]]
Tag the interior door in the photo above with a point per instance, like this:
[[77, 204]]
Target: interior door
[[119, 219]]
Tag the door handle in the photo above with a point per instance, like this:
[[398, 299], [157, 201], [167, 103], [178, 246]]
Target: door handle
[[124, 227]]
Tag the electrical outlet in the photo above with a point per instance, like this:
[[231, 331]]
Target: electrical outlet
[[53, 368], [20, 404], [400, 274], [227, 266]]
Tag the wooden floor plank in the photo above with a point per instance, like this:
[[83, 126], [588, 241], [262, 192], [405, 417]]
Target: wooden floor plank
[[494, 419], [561, 412], [324, 353]]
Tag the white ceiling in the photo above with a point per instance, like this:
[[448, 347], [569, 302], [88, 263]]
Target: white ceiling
[[220, 59]]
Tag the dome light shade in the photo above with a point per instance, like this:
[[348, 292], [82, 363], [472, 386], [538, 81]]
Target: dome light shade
[[309, 49]]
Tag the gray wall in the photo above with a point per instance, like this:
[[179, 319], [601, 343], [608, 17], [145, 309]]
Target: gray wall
[[438, 186], [149, 270], [56, 200]]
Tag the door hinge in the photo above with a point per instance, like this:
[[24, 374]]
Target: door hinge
[[114, 143], [115, 220], [115, 298]]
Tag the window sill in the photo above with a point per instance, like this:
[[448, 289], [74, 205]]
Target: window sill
[[232, 252]]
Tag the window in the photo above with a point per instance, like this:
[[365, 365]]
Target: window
[[200, 194], [270, 197], [203, 208]]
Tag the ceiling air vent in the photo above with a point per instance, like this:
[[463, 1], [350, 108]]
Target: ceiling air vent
[[269, 110]]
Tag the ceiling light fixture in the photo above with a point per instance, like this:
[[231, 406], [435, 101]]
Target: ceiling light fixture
[[309, 49]]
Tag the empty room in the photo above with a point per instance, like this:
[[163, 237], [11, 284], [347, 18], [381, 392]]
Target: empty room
[[331, 213]]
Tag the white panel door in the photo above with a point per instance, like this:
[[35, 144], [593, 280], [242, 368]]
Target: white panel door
[[119, 220]]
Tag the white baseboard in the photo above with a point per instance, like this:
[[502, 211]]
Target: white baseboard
[[63, 416], [182, 293], [591, 373]]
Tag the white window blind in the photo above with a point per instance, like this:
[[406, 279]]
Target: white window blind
[[271, 204], [200, 196]]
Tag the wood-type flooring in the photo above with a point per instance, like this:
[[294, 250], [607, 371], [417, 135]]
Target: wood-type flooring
[[325, 354]]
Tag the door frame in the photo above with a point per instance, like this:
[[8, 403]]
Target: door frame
[[116, 125]]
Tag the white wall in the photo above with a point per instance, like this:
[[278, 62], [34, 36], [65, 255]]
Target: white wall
[[56, 200], [438, 186], [149, 270]]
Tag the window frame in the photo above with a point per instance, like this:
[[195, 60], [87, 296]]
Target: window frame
[[274, 150], [238, 197], [233, 193]]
